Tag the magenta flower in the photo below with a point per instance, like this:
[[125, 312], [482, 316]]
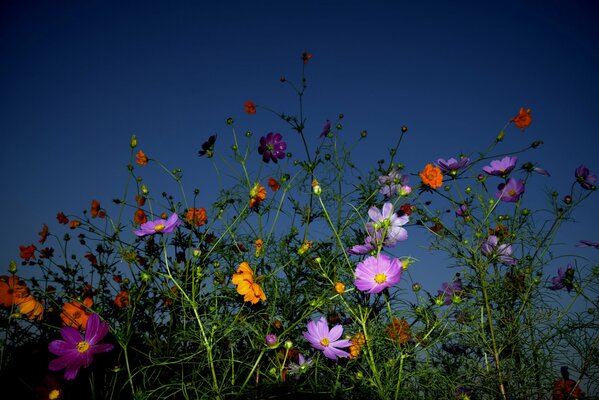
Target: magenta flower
[[375, 274], [366, 248], [391, 184], [272, 147], [501, 252], [448, 291], [326, 129], [271, 340], [76, 351], [564, 279], [511, 191], [462, 211], [453, 166], [321, 338], [159, 226], [585, 178], [387, 224], [501, 167]]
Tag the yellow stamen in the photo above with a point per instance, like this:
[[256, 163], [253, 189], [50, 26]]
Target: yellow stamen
[[380, 278], [325, 342], [82, 347], [159, 228], [512, 192], [54, 394]]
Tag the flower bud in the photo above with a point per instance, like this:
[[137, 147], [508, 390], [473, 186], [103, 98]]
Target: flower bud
[[568, 199], [271, 340], [500, 136], [316, 187], [133, 142], [144, 189], [12, 266], [404, 129], [339, 287], [416, 287], [288, 344], [230, 121], [364, 134], [536, 144]]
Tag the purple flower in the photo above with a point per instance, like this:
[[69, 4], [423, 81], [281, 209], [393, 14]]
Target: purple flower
[[208, 147], [159, 226], [271, 340], [564, 279], [76, 351], [501, 167], [377, 273], [326, 129], [272, 147], [493, 250], [452, 166], [588, 243], [387, 224], [585, 178], [321, 338], [301, 366], [511, 191], [365, 248], [448, 291], [462, 211], [389, 183]]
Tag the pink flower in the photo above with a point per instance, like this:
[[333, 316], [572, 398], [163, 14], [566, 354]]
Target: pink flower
[[321, 338], [375, 274]]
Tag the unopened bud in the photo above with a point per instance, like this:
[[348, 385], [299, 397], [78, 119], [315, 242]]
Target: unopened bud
[[133, 142], [12, 266]]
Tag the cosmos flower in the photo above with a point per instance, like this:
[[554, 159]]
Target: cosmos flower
[[159, 226], [566, 388], [196, 216], [208, 147], [43, 234], [360, 249], [511, 191], [501, 167], [250, 107], [399, 331], [62, 219], [140, 217], [246, 286], [564, 279], [30, 307], [27, 252], [387, 224], [389, 184], [326, 128], [12, 289], [585, 178], [306, 57], [141, 158], [272, 147], [453, 166], [449, 291], [301, 366], [501, 252], [273, 184], [432, 176], [375, 274], [76, 314], [95, 209], [271, 340], [462, 211], [257, 195], [122, 299], [77, 351], [321, 338], [357, 342], [523, 119]]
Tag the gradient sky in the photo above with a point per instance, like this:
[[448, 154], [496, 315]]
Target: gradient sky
[[77, 79]]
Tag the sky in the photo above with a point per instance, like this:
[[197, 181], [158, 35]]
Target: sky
[[77, 79]]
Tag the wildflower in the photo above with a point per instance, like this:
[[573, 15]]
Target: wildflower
[[588, 243], [77, 351], [43, 234], [27, 252], [75, 313], [432, 176], [501, 167], [450, 291], [196, 216], [361, 249], [95, 208], [523, 119], [307, 245], [259, 243], [141, 158], [47, 252], [321, 338], [244, 280], [271, 341], [250, 107], [208, 147], [50, 389], [585, 178], [30, 307], [326, 128], [564, 279], [375, 274], [272, 147], [257, 195], [339, 287], [388, 224], [316, 187], [462, 211], [140, 217], [357, 342], [306, 57], [493, 250], [12, 289], [140, 200], [511, 191], [566, 388], [406, 209], [62, 219], [159, 226], [91, 258], [273, 184], [301, 366], [122, 299], [391, 183], [453, 166], [74, 224], [399, 331], [404, 190]]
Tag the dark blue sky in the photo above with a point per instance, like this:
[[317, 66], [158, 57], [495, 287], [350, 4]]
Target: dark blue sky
[[78, 78]]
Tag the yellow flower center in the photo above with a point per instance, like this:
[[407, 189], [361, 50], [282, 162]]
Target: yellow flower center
[[82, 347], [512, 192], [159, 228], [54, 394], [325, 342], [380, 278]]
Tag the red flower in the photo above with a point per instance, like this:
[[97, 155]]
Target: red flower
[[27, 252], [250, 107], [566, 389], [74, 224], [122, 299], [407, 208], [95, 210], [62, 219], [196, 216], [141, 158], [43, 233], [91, 258], [140, 217], [306, 57], [523, 119], [273, 184], [140, 200], [399, 331]]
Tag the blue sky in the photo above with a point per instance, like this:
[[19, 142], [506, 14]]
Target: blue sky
[[77, 79]]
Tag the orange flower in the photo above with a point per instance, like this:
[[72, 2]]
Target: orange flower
[[432, 176], [12, 289], [74, 224], [339, 287], [122, 299], [95, 209], [196, 216], [523, 119], [140, 217], [62, 219], [357, 342], [140, 200], [141, 158], [250, 107], [407, 208], [27, 252], [566, 389], [306, 57], [244, 280], [273, 184], [30, 307], [170, 298], [259, 243], [75, 313], [399, 331], [91, 258], [257, 195], [43, 234]]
